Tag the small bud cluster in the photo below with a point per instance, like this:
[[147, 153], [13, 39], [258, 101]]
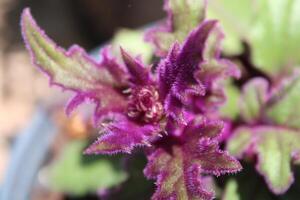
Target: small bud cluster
[[144, 104]]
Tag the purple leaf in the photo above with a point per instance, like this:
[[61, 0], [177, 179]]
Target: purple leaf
[[118, 134], [139, 75], [178, 163], [189, 76]]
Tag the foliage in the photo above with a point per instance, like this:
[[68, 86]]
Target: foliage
[[177, 111]]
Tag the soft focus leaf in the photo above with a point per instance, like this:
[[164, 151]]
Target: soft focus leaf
[[229, 110], [274, 147], [284, 108], [253, 99], [179, 169], [239, 142], [235, 17], [270, 27], [231, 192], [72, 175], [183, 16], [275, 36]]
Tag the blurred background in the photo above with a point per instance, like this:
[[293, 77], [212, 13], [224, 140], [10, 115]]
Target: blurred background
[[26, 98]]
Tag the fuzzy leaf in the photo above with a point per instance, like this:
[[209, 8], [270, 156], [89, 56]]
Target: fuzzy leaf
[[269, 27], [73, 69], [121, 135], [253, 99], [193, 70], [183, 16], [178, 168], [72, 175], [274, 147]]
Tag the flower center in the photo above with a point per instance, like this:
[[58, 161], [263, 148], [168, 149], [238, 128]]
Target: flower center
[[144, 104]]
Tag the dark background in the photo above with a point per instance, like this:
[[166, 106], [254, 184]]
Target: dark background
[[85, 22]]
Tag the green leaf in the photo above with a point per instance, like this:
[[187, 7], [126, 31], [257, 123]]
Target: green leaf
[[275, 148], [133, 42], [235, 17], [231, 192], [285, 107], [230, 109], [253, 99], [72, 69], [239, 142], [75, 174], [270, 27], [275, 36]]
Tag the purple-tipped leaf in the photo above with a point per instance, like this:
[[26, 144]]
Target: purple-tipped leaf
[[73, 69], [275, 147]]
